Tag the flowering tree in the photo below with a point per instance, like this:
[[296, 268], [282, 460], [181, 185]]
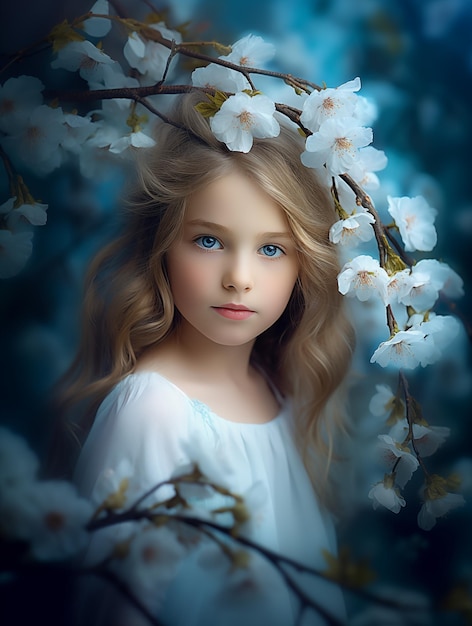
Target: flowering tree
[[129, 70]]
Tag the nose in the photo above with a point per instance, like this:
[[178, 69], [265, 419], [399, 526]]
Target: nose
[[238, 274]]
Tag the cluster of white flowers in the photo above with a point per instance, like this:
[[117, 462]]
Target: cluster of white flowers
[[48, 515], [399, 452], [421, 340], [244, 115], [39, 137]]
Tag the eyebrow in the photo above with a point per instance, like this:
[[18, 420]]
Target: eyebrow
[[223, 229]]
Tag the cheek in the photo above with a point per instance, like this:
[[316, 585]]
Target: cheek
[[280, 286], [188, 280]]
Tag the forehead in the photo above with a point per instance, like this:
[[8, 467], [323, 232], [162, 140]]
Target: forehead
[[234, 199]]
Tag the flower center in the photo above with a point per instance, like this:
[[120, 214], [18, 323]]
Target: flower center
[[399, 347], [364, 277], [87, 63], [246, 120], [33, 133], [342, 144], [149, 554], [329, 104], [410, 220], [54, 521], [7, 106]]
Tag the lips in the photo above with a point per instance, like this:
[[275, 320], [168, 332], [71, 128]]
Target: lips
[[234, 311], [234, 307]]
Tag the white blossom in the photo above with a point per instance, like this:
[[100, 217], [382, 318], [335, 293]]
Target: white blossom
[[363, 278], [437, 507], [415, 221], [399, 284], [120, 129], [136, 139], [18, 463], [36, 146], [370, 160], [327, 103], [422, 286], [385, 494], [149, 57], [98, 26], [416, 288], [50, 516], [15, 250], [427, 438], [443, 278], [151, 564], [394, 453], [84, 57], [241, 118], [30, 214], [366, 111], [113, 77], [248, 591], [353, 230], [381, 402], [406, 349], [250, 51], [78, 130], [443, 329], [336, 145], [219, 77], [18, 98]]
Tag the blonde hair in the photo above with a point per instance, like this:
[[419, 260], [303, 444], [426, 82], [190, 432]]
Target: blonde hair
[[129, 305]]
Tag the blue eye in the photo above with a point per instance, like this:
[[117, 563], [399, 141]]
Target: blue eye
[[272, 251], [208, 243]]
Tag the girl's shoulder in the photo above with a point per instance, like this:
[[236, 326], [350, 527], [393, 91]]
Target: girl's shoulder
[[145, 396], [144, 422]]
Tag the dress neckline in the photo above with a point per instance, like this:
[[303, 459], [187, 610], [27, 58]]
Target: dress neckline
[[199, 405]]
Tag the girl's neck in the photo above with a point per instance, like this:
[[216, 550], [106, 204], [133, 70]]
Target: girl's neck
[[220, 376], [193, 355]]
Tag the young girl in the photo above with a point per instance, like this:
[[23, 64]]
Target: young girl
[[214, 329]]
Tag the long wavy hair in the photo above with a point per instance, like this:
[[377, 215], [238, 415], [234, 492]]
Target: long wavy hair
[[128, 301]]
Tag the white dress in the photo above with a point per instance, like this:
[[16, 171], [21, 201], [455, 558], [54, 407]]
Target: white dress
[[154, 426]]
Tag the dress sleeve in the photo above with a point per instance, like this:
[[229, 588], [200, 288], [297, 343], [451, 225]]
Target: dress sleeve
[[143, 426]]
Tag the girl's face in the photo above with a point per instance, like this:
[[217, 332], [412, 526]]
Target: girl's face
[[234, 267]]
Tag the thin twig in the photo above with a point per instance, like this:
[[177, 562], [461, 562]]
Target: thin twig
[[398, 248], [159, 114], [133, 515], [409, 419], [365, 201]]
